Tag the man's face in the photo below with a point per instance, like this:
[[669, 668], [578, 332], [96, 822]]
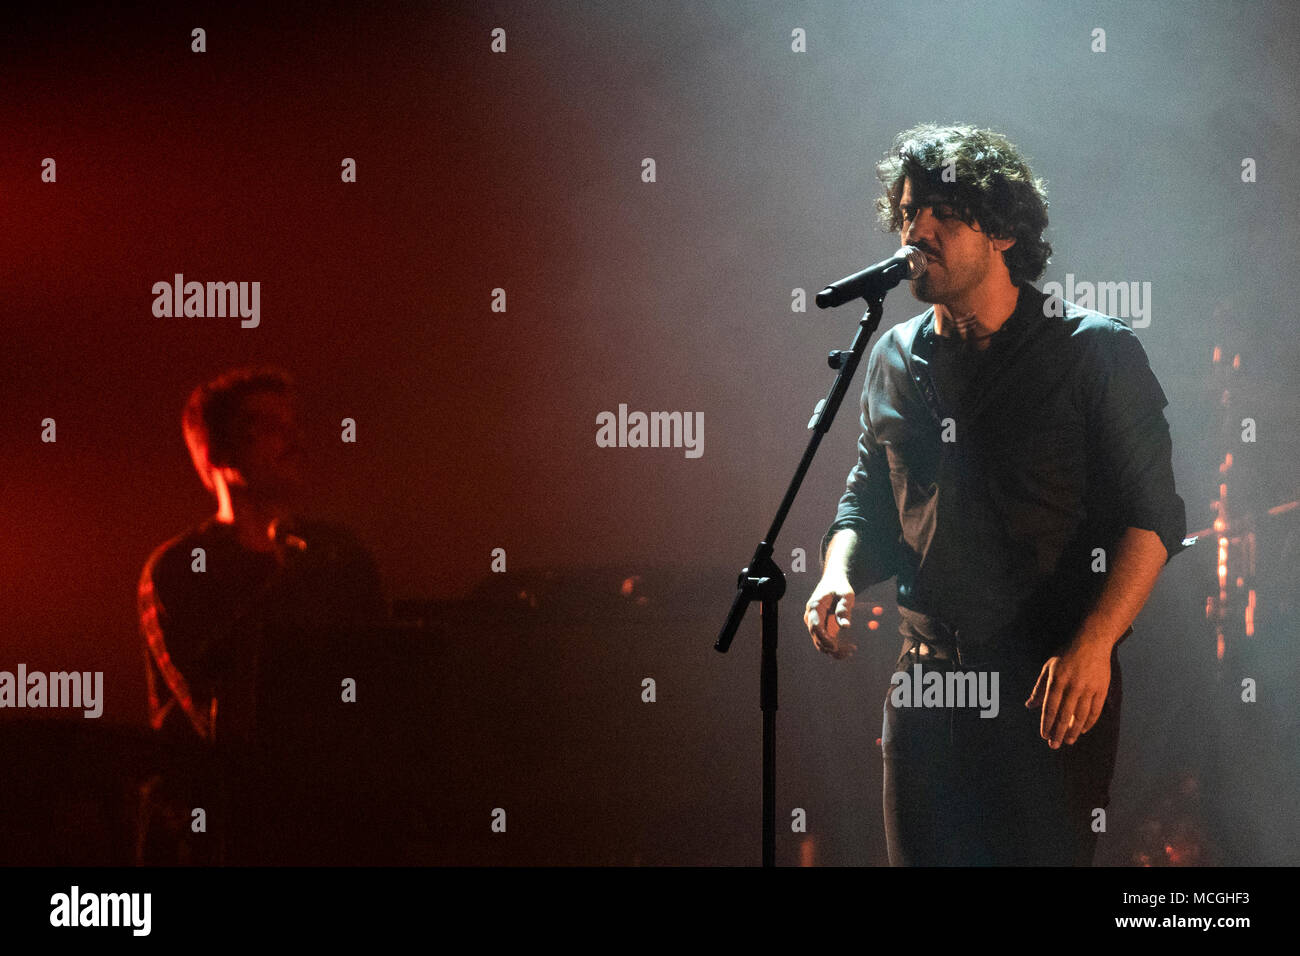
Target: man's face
[[959, 256], [268, 446]]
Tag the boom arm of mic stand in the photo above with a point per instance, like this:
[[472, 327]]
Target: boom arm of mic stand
[[760, 576]]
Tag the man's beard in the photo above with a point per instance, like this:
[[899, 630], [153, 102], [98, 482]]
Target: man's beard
[[946, 290], [924, 291]]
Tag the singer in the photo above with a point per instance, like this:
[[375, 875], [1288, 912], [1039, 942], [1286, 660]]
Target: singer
[[1014, 474], [229, 613]]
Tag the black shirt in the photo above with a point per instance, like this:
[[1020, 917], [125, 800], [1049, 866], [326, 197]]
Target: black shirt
[[243, 628], [986, 479]]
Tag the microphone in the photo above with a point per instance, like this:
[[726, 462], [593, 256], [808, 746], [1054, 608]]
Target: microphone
[[874, 281]]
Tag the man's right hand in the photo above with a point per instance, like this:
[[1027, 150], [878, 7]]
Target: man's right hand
[[828, 612]]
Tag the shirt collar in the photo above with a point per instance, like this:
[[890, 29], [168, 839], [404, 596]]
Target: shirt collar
[[1028, 304]]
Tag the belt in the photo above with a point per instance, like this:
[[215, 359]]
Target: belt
[[944, 647], [934, 652], [951, 652], [977, 658]]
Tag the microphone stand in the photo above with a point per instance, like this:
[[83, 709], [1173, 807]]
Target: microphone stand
[[764, 582]]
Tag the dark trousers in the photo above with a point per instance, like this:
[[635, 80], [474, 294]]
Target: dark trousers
[[966, 790]]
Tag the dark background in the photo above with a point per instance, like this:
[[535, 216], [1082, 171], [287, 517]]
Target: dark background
[[477, 429]]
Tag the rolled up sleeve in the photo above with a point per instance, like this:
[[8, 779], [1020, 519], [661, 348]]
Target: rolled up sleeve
[[867, 506], [1133, 437]]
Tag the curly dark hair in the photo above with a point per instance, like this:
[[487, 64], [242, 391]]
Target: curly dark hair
[[993, 187], [213, 409]]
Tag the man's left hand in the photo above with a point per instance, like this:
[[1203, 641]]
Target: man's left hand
[[1072, 691]]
